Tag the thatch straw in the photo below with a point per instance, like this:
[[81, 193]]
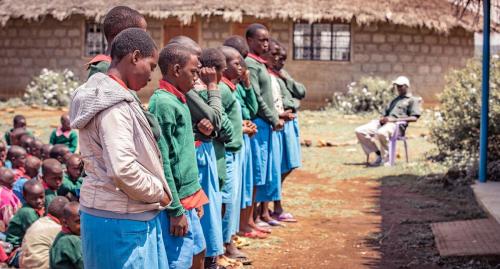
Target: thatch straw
[[438, 15]]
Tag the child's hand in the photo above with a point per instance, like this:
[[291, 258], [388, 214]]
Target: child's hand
[[205, 127], [245, 78], [279, 125], [199, 211], [209, 76], [179, 225]]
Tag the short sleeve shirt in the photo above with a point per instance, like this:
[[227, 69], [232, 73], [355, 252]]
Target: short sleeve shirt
[[403, 106]]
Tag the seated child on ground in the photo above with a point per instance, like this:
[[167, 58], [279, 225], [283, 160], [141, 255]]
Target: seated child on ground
[[36, 148], [64, 135], [58, 152], [16, 156], [9, 203], [32, 170], [72, 178], [15, 136], [28, 214], [45, 152], [66, 251], [25, 141], [41, 235], [52, 175], [19, 121]]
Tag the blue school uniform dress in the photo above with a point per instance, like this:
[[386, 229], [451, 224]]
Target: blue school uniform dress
[[231, 218], [291, 151], [271, 190], [181, 249], [211, 222], [246, 173], [113, 243]]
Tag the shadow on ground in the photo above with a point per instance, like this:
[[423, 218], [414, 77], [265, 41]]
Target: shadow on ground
[[408, 204]]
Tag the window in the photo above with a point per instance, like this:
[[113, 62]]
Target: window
[[95, 43], [322, 41]]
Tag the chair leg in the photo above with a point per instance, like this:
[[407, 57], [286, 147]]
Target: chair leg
[[367, 158], [406, 150], [392, 152]]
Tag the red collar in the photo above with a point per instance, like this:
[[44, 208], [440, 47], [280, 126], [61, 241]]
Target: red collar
[[119, 81], [257, 58], [40, 212], [100, 58], [165, 85], [229, 83], [56, 220], [65, 230]]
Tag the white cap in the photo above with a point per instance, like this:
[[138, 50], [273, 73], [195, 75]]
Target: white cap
[[402, 80]]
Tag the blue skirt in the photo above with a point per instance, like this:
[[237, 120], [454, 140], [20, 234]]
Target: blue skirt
[[271, 190], [260, 144], [291, 151], [181, 249], [246, 173], [231, 218], [211, 222], [119, 243]]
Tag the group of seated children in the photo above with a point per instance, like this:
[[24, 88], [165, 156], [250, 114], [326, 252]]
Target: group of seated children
[[227, 129], [39, 191]]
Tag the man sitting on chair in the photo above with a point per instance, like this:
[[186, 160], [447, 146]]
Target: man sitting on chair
[[404, 108]]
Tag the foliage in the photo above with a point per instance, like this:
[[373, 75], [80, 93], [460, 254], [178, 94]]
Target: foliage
[[51, 88], [456, 125], [370, 94]]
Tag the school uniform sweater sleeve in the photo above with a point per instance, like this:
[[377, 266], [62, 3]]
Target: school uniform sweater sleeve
[[116, 132], [53, 137], [177, 146], [19, 224], [286, 96], [210, 109], [248, 101], [264, 96], [66, 252], [73, 141], [297, 89], [231, 107]]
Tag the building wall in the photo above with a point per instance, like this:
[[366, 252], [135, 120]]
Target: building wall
[[377, 50]]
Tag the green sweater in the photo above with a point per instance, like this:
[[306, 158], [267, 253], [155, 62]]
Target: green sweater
[[177, 147], [248, 101], [18, 225], [222, 137], [71, 141], [98, 67], [70, 186], [209, 107], [233, 111], [292, 92], [66, 252], [261, 84], [49, 196]]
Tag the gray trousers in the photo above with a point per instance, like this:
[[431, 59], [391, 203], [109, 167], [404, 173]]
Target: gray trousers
[[372, 132]]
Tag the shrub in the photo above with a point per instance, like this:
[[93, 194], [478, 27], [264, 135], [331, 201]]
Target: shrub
[[456, 124], [51, 88], [370, 94]]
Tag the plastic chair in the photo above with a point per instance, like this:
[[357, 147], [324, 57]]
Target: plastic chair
[[397, 136]]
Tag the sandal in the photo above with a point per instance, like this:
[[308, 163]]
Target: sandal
[[284, 217], [275, 223], [241, 258], [240, 241], [254, 234], [229, 263]]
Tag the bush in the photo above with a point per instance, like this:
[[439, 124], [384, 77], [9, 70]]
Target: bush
[[370, 94], [456, 125], [51, 88]]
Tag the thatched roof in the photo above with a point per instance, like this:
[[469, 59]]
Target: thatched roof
[[439, 15]]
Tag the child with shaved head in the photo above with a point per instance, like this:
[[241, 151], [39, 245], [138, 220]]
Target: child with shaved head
[[66, 251], [32, 210], [52, 175], [58, 152], [64, 135], [9, 203], [3, 153], [18, 122], [73, 180], [36, 148], [16, 156], [41, 235], [32, 168], [117, 19]]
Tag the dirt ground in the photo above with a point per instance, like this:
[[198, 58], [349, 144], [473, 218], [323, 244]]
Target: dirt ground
[[351, 216]]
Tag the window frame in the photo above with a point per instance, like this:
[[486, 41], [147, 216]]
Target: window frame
[[312, 47], [96, 25]]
